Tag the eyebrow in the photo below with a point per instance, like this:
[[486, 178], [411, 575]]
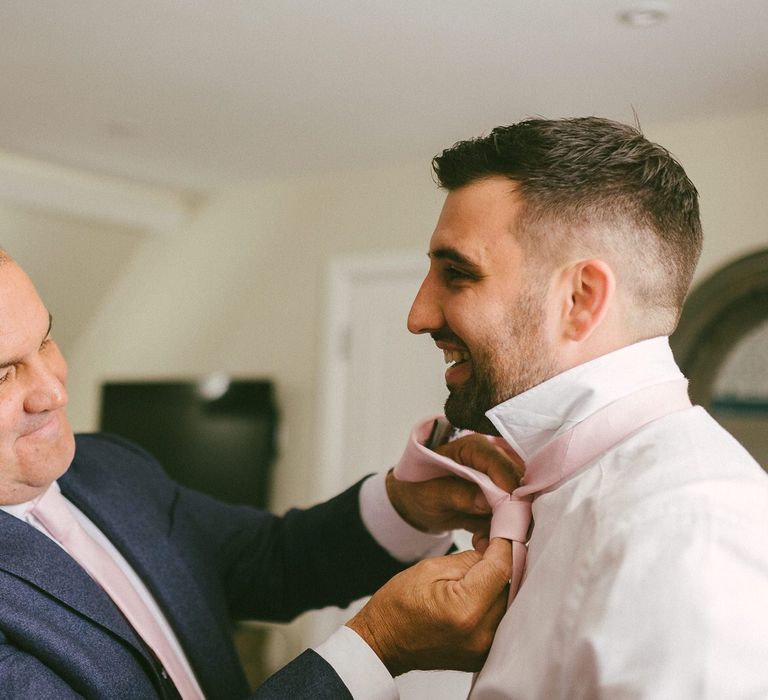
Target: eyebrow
[[15, 361], [448, 253]]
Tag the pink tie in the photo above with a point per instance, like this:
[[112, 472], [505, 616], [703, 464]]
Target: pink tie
[[565, 455], [53, 511]]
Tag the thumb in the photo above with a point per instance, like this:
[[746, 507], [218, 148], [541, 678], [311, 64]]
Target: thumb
[[491, 573], [499, 554]]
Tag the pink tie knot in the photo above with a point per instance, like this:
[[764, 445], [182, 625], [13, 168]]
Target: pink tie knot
[[511, 518], [511, 514]]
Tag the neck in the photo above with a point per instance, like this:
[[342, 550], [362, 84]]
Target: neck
[[602, 341], [15, 494]]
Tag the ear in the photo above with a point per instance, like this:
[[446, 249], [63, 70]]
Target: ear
[[589, 286]]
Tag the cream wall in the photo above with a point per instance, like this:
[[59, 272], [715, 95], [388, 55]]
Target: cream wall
[[73, 261]]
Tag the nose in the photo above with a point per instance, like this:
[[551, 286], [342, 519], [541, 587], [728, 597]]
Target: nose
[[47, 389], [426, 315]]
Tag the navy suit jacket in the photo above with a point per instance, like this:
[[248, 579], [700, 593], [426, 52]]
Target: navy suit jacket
[[206, 563]]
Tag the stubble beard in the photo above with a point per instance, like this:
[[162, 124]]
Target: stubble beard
[[517, 359]]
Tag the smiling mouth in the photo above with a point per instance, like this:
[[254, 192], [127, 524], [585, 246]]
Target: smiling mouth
[[455, 356], [459, 370]]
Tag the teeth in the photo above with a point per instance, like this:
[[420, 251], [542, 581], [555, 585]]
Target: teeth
[[455, 356]]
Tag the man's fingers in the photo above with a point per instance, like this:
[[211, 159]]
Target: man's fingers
[[480, 541], [478, 452], [463, 496], [457, 496]]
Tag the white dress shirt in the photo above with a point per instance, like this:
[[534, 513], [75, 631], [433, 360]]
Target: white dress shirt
[[647, 572]]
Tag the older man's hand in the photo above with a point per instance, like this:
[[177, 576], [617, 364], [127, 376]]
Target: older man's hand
[[451, 503], [441, 613]]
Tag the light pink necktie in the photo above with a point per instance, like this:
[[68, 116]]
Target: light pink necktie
[[574, 449], [53, 511]]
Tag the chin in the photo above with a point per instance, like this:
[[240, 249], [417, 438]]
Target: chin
[[44, 467], [462, 416]]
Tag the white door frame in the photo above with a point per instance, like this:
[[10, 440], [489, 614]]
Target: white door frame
[[342, 274]]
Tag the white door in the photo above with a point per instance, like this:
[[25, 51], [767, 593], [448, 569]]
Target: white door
[[379, 381]]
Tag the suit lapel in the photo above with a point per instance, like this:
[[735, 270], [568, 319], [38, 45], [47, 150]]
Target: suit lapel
[[29, 555], [139, 524]]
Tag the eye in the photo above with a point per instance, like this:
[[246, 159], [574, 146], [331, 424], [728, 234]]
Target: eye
[[5, 374], [456, 274], [46, 343]]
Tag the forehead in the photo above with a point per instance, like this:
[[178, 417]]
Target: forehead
[[479, 220], [21, 310]]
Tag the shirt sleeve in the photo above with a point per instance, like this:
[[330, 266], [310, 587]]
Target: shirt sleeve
[[403, 541], [357, 665]]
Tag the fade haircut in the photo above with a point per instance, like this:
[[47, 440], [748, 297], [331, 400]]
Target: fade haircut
[[591, 186]]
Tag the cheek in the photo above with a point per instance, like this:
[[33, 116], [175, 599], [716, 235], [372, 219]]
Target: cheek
[[11, 411], [482, 325], [463, 312], [41, 461]]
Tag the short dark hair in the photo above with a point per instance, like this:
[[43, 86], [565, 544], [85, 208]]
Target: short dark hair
[[589, 173]]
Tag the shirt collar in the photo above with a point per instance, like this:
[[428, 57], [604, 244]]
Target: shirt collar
[[531, 420]]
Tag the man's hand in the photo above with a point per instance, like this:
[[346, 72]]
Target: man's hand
[[452, 503], [441, 613]]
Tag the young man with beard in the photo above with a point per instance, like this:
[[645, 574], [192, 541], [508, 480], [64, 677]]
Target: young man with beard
[[558, 268]]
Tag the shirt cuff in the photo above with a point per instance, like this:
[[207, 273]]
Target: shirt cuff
[[401, 540], [364, 674]]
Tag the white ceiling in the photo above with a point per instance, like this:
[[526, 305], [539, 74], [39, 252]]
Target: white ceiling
[[197, 94]]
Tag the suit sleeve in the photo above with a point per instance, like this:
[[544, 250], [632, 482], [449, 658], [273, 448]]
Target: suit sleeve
[[307, 677], [259, 565], [276, 567]]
